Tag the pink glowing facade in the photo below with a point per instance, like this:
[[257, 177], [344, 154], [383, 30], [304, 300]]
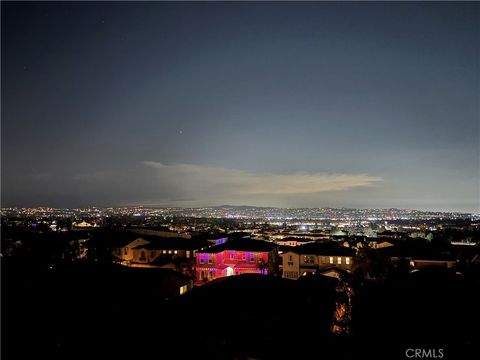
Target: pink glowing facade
[[212, 265]]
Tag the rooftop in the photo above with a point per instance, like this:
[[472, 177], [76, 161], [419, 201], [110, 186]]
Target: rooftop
[[242, 245], [159, 243], [323, 248]]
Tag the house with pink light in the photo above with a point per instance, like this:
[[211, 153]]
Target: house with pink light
[[235, 257]]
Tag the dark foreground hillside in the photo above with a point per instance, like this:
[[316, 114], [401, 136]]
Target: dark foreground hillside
[[92, 310]]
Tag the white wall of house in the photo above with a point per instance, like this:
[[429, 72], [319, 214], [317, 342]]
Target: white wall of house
[[291, 265], [126, 253]]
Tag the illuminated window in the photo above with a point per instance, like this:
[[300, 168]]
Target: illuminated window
[[331, 259], [164, 251], [188, 254], [175, 252], [347, 260], [308, 259], [339, 260], [183, 289], [169, 251]]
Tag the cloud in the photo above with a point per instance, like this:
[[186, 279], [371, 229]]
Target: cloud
[[157, 183], [225, 181]]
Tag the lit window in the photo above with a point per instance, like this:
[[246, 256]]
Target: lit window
[[331, 259], [347, 261], [339, 260], [169, 251], [175, 252], [183, 289], [309, 259], [164, 251], [188, 254]]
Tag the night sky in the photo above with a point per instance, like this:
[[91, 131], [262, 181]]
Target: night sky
[[268, 104]]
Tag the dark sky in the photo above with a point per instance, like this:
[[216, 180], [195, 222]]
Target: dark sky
[[275, 104]]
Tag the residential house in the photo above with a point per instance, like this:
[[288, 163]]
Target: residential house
[[419, 254], [292, 241], [154, 251], [380, 243], [235, 257], [316, 257]]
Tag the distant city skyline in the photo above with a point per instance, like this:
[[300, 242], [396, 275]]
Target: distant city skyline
[[244, 210], [282, 104]]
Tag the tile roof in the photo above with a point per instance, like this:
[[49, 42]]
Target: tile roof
[[323, 248], [242, 245], [158, 243]]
